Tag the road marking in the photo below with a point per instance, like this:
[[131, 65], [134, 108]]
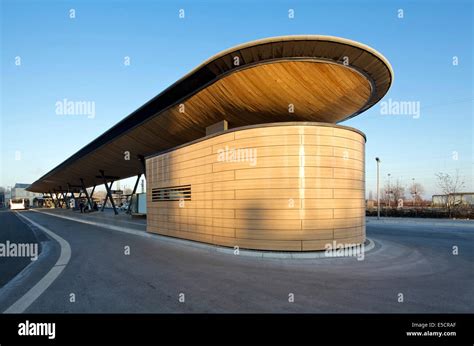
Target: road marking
[[29, 297], [92, 217], [98, 224]]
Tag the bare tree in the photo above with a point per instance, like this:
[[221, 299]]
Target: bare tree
[[398, 191], [417, 190], [450, 185], [393, 192]]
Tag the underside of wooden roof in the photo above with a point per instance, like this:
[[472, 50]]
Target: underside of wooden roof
[[280, 79]]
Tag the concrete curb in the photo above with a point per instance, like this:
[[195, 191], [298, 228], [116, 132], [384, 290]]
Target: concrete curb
[[368, 246]]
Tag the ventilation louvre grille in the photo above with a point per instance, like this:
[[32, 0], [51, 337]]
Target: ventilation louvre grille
[[174, 193]]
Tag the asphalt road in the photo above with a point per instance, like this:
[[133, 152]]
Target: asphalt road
[[15, 231], [414, 259]]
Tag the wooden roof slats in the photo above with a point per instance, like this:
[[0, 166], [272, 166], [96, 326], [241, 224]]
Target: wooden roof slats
[[304, 70]]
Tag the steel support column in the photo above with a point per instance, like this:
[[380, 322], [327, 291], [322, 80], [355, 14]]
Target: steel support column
[[55, 199], [142, 161], [65, 199], [62, 196], [133, 192], [109, 192], [91, 196], [61, 191], [58, 199], [87, 194]]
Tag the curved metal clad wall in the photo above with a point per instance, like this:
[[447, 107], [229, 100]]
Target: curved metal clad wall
[[294, 187]]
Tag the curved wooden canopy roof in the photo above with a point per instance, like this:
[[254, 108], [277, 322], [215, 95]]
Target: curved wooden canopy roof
[[320, 78]]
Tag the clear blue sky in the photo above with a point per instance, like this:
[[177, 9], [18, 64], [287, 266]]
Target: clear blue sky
[[82, 59]]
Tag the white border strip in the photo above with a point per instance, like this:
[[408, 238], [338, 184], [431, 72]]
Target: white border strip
[[29, 297]]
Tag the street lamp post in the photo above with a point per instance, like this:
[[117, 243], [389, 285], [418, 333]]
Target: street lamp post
[[378, 196]]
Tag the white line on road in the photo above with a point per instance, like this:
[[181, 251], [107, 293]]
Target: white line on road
[[29, 297], [99, 224]]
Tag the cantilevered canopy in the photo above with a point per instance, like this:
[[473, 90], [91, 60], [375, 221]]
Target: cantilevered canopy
[[289, 78]]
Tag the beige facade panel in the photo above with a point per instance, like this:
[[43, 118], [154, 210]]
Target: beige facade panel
[[258, 193], [292, 187], [322, 234], [281, 214], [277, 183], [284, 171], [349, 212]]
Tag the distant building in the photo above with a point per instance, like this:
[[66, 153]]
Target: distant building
[[460, 198], [19, 191]]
